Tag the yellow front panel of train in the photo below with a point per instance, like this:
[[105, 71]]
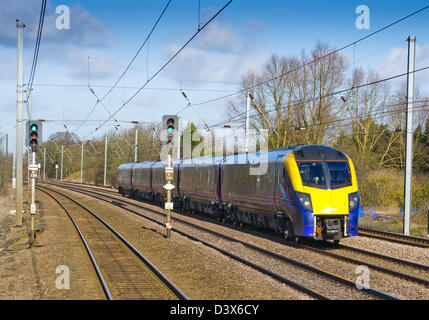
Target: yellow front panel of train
[[329, 201], [324, 201]]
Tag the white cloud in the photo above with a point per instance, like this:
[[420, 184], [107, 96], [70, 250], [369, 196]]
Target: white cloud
[[395, 62], [85, 30], [66, 48], [99, 65], [218, 54], [7, 66], [220, 38]]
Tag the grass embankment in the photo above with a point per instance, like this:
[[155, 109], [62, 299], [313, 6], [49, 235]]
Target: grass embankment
[[382, 196]]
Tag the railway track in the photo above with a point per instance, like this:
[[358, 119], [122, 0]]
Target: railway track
[[394, 237], [351, 250], [403, 269], [123, 272], [328, 280], [388, 236]]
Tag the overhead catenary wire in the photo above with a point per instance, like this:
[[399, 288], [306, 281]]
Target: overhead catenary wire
[[317, 59], [301, 102], [125, 87], [163, 66], [379, 113], [36, 51], [164, 77], [132, 60]]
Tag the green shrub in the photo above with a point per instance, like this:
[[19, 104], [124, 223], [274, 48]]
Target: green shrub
[[385, 188]]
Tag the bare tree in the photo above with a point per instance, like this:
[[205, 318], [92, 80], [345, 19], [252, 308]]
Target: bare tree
[[318, 105], [288, 95], [368, 108], [394, 151]]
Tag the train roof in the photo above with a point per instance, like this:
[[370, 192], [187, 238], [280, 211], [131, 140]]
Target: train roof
[[301, 152], [126, 165], [319, 152]]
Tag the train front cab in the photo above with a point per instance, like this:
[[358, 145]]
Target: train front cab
[[325, 188]]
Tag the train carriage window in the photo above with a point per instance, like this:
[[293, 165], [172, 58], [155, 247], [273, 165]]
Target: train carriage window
[[339, 174], [312, 174]]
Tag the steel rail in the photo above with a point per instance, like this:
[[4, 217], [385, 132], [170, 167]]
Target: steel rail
[[180, 294], [103, 283], [323, 273], [394, 237], [279, 278]]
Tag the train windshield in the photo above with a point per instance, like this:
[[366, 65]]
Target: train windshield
[[312, 174], [339, 173]]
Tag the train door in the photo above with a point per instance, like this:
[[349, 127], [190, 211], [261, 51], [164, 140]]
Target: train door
[[218, 181], [278, 187]]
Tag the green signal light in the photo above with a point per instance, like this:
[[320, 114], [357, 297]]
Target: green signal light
[[33, 127], [169, 129]]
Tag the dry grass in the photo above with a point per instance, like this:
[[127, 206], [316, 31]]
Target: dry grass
[[418, 225], [7, 203]]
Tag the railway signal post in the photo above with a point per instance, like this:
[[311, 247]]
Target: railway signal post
[[169, 186], [34, 129], [171, 146]]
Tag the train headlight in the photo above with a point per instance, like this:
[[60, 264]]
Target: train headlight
[[353, 201], [305, 200]]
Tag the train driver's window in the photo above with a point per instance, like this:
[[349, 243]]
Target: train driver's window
[[312, 174], [316, 173]]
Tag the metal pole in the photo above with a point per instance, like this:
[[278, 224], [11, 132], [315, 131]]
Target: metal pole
[[136, 145], [409, 133], [178, 137], [19, 101], [30, 152], [81, 165], [44, 164], [168, 204], [33, 168], [428, 221], [14, 170], [62, 162], [29, 104], [105, 160], [247, 123], [7, 146], [28, 171]]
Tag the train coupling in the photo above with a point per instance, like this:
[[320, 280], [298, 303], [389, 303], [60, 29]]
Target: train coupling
[[330, 227]]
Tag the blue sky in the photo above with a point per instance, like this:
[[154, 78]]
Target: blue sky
[[240, 38]]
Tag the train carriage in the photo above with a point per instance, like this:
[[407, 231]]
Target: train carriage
[[324, 182], [249, 198], [142, 180], [124, 178], [305, 191], [158, 181], [199, 184]]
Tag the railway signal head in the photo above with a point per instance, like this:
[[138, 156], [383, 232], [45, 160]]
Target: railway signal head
[[170, 124], [170, 134], [34, 130]]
